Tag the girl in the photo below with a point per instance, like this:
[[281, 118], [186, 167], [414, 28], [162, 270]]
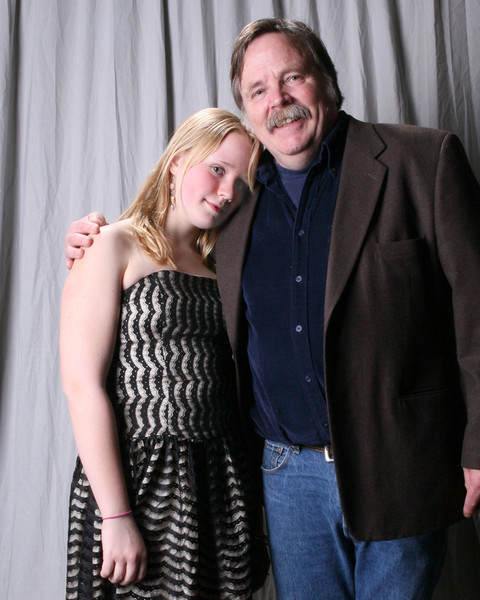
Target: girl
[[159, 501]]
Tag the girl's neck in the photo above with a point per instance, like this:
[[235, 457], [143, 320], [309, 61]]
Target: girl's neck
[[179, 231]]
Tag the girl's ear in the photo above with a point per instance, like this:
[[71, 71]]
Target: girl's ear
[[177, 163]]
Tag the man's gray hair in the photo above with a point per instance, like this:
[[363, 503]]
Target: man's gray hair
[[301, 37]]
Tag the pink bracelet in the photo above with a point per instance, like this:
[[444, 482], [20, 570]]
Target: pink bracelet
[[117, 516]]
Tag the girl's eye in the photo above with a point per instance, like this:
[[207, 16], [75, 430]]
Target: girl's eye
[[218, 170]]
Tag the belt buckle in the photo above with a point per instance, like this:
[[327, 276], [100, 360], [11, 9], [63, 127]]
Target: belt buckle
[[328, 454]]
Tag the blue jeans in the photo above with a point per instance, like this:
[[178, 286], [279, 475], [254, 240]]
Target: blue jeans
[[314, 557]]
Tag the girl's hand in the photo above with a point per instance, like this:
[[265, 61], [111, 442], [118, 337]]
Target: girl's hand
[[124, 552]]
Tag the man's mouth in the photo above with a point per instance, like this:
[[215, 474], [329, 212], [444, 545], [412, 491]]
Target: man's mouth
[[286, 122], [286, 116]]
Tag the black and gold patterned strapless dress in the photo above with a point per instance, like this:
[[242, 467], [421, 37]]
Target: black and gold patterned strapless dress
[[171, 384]]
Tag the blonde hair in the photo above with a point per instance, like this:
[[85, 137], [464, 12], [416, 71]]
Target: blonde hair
[[197, 137]]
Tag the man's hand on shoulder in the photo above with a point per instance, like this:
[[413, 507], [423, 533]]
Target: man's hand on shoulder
[[79, 236]]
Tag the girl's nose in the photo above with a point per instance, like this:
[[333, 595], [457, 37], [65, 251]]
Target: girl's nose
[[226, 191]]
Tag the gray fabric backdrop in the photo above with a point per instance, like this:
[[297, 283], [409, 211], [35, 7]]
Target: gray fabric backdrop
[[89, 92]]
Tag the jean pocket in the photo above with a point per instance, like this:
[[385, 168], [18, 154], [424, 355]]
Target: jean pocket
[[275, 457]]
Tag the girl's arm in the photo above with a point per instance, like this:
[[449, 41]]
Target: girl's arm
[[88, 325]]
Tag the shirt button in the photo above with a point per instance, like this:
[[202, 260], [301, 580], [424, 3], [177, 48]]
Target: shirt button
[[325, 425], [298, 278], [298, 328], [308, 379], [301, 232]]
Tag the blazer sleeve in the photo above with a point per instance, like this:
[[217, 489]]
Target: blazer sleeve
[[457, 227]]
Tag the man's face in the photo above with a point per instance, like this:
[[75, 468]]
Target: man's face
[[286, 100]]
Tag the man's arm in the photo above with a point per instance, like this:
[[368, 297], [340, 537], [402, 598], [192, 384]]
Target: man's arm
[[457, 216], [79, 236]]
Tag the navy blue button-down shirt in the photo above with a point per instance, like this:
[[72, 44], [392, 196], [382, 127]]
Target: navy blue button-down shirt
[[283, 283]]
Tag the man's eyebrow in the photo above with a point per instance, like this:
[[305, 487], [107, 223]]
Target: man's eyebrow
[[253, 85]]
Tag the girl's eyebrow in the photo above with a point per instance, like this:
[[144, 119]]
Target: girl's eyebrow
[[220, 160]]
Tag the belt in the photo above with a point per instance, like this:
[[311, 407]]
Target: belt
[[327, 451]]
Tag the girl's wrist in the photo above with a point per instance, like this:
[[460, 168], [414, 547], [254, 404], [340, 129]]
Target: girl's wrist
[[117, 516]]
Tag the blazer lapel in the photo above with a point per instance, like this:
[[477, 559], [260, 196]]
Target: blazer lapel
[[230, 253], [360, 184]]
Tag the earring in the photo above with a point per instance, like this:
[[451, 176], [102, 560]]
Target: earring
[[172, 193]]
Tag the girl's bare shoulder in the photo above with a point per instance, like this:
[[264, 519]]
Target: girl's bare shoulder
[[119, 235], [110, 252]]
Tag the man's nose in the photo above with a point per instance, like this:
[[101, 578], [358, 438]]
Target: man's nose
[[279, 96]]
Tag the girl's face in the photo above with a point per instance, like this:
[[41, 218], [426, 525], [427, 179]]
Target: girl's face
[[213, 188]]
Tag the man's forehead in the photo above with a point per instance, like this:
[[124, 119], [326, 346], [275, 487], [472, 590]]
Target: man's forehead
[[296, 59], [267, 40]]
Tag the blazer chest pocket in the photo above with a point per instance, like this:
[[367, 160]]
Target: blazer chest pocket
[[401, 278]]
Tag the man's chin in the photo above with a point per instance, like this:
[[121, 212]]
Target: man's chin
[[291, 155]]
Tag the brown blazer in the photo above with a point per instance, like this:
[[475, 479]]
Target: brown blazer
[[402, 336]]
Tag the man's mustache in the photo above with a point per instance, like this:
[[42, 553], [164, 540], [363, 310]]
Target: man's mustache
[[292, 112]]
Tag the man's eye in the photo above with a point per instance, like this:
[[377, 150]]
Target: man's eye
[[294, 78], [257, 93]]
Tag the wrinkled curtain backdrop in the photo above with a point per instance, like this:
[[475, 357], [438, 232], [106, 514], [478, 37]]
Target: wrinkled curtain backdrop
[[89, 92]]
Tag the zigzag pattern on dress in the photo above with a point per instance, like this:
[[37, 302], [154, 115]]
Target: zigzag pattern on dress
[[171, 387]]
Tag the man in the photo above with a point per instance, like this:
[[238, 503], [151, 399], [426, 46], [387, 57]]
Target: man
[[349, 288]]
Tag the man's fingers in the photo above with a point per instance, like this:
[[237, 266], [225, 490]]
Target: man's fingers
[[472, 484], [97, 217], [79, 236], [83, 227], [468, 509], [470, 505], [76, 241]]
